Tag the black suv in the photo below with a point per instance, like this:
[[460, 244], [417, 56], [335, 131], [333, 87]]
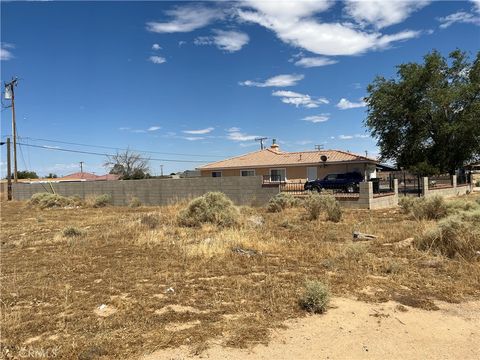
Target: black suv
[[347, 182]]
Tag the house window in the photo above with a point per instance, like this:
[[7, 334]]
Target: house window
[[216, 174], [247, 173], [278, 174]]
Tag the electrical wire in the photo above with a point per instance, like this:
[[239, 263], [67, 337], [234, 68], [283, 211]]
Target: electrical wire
[[46, 147], [118, 148]]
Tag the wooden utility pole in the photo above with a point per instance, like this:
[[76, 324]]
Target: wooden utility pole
[[11, 88], [9, 172], [81, 167], [261, 139]]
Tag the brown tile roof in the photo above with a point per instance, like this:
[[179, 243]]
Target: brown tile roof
[[269, 157]]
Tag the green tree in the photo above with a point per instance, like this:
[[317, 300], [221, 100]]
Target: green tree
[[428, 118], [25, 174], [51, 176]]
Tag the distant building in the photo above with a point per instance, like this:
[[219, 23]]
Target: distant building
[[78, 176]]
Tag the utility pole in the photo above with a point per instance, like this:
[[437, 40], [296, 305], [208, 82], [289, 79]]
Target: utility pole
[[81, 166], [261, 139], [318, 147], [10, 94], [161, 170]]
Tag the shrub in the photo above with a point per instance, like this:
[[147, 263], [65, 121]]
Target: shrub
[[431, 208], [149, 220], [281, 201], [477, 183], [315, 297], [100, 200], [54, 200], [36, 198], [72, 232], [455, 236], [315, 204], [135, 202], [213, 207]]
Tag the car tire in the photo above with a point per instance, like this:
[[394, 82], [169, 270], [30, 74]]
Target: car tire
[[317, 189], [350, 189]]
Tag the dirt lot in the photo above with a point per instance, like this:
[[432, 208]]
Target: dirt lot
[[127, 286]]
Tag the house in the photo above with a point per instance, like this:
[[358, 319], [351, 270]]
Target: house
[[78, 176], [275, 165]]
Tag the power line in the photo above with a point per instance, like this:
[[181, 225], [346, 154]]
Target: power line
[[118, 148], [46, 147]]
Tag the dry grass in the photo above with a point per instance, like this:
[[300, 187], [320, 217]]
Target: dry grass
[[124, 288]]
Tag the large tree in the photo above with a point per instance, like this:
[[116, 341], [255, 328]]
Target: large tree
[[428, 117], [128, 164]]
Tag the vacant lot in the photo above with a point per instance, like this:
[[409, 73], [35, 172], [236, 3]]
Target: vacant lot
[[119, 282]]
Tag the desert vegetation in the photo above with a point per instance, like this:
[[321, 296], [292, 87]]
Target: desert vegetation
[[120, 282]]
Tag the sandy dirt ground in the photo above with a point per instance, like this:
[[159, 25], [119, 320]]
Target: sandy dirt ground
[[356, 330]]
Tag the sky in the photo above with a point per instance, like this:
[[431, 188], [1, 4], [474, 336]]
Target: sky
[[187, 83]]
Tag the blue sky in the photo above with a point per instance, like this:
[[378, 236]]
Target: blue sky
[[205, 78]]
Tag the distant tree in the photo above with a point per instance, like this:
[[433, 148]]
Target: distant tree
[[27, 174], [427, 119], [128, 165], [51, 176]]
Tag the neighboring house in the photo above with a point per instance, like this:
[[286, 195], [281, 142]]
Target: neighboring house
[[78, 176], [275, 165]]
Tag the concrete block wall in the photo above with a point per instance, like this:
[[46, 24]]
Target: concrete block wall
[[454, 190], [245, 190]]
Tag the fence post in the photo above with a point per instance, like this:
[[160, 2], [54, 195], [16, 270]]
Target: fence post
[[365, 196], [454, 181], [425, 186], [395, 190]]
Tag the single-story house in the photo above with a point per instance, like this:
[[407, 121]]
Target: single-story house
[[275, 165]]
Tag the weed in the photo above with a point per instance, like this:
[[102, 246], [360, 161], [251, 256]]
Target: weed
[[72, 232], [149, 220], [315, 297], [315, 204], [135, 202], [431, 208], [213, 207], [281, 202], [99, 200]]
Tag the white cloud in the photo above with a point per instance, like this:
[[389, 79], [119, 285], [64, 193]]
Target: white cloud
[[229, 41], [459, 17], [193, 138], [156, 47], [157, 59], [276, 81], [309, 62], [123, 128], [186, 19], [200, 131], [317, 118], [235, 134], [5, 52], [295, 24], [345, 104], [154, 128], [139, 131], [381, 13], [350, 137], [297, 99]]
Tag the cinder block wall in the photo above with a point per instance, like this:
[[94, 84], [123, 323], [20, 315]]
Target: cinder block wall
[[246, 190]]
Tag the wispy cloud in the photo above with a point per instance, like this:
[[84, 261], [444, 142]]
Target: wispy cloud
[[459, 17], [154, 128], [200, 131], [193, 138], [297, 99], [5, 51], [157, 59], [350, 137], [345, 104], [283, 80], [235, 134], [309, 62], [156, 47], [186, 19], [229, 41], [317, 118]]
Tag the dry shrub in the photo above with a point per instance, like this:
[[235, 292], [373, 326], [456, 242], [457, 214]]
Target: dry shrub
[[48, 200], [135, 202], [315, 297], [99, 200], [149, 220], [455, 236], [281, 202], [72, 232], [315, 204], [213, 207], [431, 208]]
